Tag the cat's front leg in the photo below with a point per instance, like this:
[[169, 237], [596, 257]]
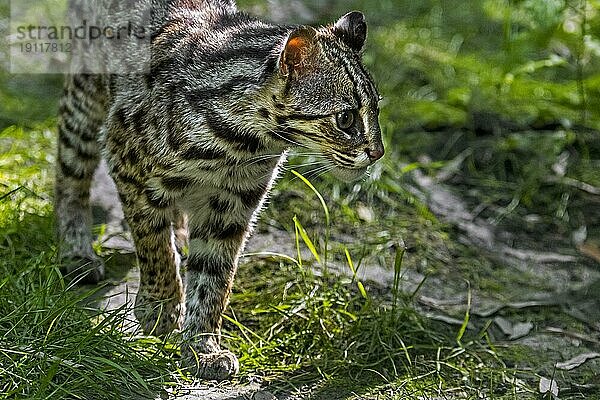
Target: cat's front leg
[[209, 278], [216, 239]]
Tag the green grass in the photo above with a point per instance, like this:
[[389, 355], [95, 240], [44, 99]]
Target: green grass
[[322, 329], [53, 342]]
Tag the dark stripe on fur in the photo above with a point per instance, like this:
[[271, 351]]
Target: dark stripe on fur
[[251, 198], [157, 199], [71, 172], [130, 156], [224, 130], [243, 52], [284, 119], [215, 229], [290, 133], [220, 206], [173, 183], [129, 179], [197, 97], [138, 120], [150, 226], [67, 142], [202, 153], [230, 232], [212, 266], [263, 112]]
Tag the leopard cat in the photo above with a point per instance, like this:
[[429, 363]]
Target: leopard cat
[[195, 144]]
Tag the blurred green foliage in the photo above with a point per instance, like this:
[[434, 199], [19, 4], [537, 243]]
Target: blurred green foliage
[[535, 62], [532, 62]]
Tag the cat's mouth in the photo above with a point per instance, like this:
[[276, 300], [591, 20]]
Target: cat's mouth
[[348, 174]]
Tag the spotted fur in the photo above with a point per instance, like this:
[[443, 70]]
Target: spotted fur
[[195, 145]]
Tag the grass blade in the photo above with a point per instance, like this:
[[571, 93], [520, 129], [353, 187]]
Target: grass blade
[[465, 323], [359, 284], [310, 185], [300, 229]]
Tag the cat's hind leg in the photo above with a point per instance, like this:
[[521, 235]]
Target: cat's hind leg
[[159, 303], [80, 118]]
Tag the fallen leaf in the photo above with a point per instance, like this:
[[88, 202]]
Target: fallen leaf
[[579, 235], [513, 331], [446, 319], [538, 257], [263, 395], [516, 306], [548, 386], [577, 361], [521, 329], [590, 249], [573, 335]]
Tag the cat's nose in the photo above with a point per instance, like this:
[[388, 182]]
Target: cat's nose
[[374, 153]]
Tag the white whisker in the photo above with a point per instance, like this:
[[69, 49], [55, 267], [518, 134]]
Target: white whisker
[[286, 139], [258, 159]]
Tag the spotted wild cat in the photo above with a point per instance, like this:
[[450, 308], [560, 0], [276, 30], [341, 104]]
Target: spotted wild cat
[[195, 145]]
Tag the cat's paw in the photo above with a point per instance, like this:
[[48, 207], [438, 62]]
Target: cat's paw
[[83, 269], [218, 366], [158, 317]]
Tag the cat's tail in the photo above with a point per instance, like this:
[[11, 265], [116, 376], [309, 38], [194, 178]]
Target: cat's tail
[[226, 4]]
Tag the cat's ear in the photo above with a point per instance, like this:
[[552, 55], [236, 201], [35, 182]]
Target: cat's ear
[[298, 53], [352, 29]]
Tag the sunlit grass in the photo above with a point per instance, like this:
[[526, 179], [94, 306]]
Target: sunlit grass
[[53, 343], [298, 325], [322, 329]]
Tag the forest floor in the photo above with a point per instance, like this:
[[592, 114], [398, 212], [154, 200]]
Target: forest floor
[[422, 293], [534, 292]]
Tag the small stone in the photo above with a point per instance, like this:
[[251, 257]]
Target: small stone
[[365, 213], [263, 395]]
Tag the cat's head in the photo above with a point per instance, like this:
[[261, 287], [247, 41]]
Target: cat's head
[[326, 100]]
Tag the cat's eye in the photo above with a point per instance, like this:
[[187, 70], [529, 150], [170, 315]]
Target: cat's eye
[[346, 119]]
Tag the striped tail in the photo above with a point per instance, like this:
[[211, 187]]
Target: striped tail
[[195, 4]]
